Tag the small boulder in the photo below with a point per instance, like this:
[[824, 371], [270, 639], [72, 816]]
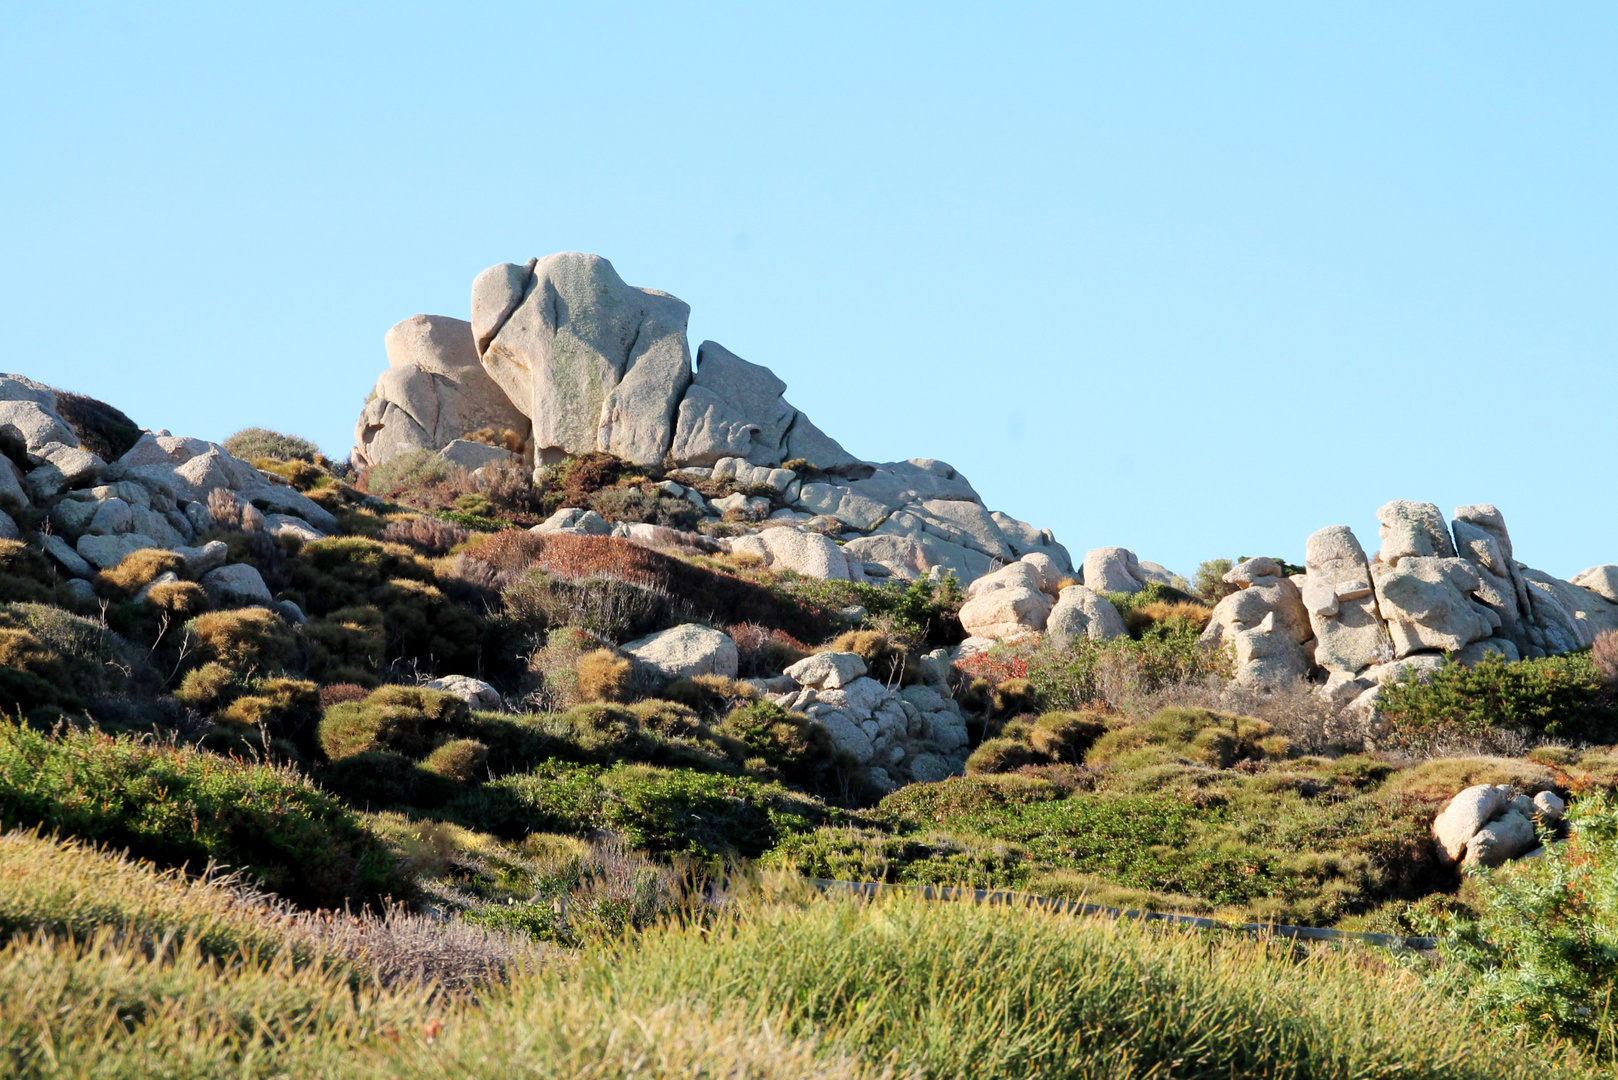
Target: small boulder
[[475, 692], [237, 585], [1080, 613], [688, 649], [1509, 837], [1113, 569], [1467, 813], [105, 552], [573, 520], [200, 560], [827, 670], [1550, 806]]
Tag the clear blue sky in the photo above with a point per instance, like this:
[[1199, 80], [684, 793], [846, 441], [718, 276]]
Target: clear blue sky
[[1193, 279]]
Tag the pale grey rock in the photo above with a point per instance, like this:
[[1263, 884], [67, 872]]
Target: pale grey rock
[[199, 516], [1563, 612], [1341, 603], [284, 500], [931, 768], [434, 391], [472, 456], [750, 394], [1081, 613], [1475, 652], [71, 517], [1481, 539], [147, 451], [236, 585], [1112, 570], [200, 560], [1419, 667], [1007, 604], [1412, 528], [1429, 603], [111, 516], [1342, 687], [807, 442], [925, 698], [827, 670], [34, 424], [808, 553], [707, 428], [1268, 656], [8, 527], [573, 519], [900, 483], [105, 552], [594, 363], [158, 526], [1550, 806], [1265, 624], [965, 523], [132, 493], [935, 668], [1464, 815], [61, 467], [475, 692], [901, 556], [496, 292], [71, 562], [1507, 838], [289, 611], [279, 525], [1047, 573], [1162, 575], [1601, 580], [687, 649], [860, 697], [847, 736], [842, 503], [81, 593], [12, 495]]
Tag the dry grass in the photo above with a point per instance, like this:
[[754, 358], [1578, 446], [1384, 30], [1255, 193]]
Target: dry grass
[[603, 676], [136, 571]]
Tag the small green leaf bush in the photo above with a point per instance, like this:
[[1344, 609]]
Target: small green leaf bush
[[178, 806], [1558, 696]]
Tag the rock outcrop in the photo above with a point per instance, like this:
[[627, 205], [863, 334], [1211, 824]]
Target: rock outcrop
[[1489, 824], [434, 392]]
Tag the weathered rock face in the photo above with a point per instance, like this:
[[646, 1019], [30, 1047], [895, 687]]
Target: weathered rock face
[[1341, 603], [1079, 612], [1113, 569], [688, 649], [594, 363], [434, 391], [1265, 623], [1008, 604]]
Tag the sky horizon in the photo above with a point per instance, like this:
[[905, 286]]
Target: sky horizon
[[1192, 282]]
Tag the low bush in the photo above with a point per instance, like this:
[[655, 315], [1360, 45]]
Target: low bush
[[257, 442], [102, 429], [32, 675], [245, 640], [1542, 947], [764, 652], [796, 748], [25, 576], [95, 656], [999, 755], [885, 661], [615, 610], [1065, 736], [208, 687], [635, 504], [426, 534], [177, 806], [400, 719], [459, 760], [603, 676], [1558, 696], [1209, 581], [404, 474], [660, 810], [381, 779]]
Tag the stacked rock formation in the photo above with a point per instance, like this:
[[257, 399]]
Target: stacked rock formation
[[1434, 588], [561, 352], [156, 495], [1487, 824]]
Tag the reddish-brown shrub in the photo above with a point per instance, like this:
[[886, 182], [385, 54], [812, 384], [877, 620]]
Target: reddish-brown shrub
[[1605, 655], [425, 534], [337, 693], [763, 651], [699, 593]]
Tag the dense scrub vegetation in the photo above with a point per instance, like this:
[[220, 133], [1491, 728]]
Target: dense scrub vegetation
[[645, 838]]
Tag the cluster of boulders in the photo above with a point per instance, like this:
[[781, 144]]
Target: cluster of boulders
[[567, 358], [1433, 589], [1488, 824], [896, 734], [1038, 595], [93, 513]]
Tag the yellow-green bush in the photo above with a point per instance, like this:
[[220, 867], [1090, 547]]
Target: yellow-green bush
[[1065, 736], [205, 688], [603, 676], [1004, 754], [459, 760], [137, 570], [249, 639], [885, 661], [25, 576]]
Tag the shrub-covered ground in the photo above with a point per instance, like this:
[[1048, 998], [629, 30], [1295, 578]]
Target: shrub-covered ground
[[607, 874]]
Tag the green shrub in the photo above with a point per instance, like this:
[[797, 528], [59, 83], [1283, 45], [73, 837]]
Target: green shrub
[[1558, 696], [1543, 946], [281, 707], [206, 688], [249, 639], [137, 570], [796, 747], [1115, 671], [25, 576], [409, 473], [257, 442], [458, 760], [660, 810], [32, 676], [379, 779], [177, 806], [1209, 581], [1065, 736], [999, 756], [345, 641]]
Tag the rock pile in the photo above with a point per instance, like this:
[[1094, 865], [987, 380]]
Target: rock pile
[[158, 494], [564, 354], [1488, 824], [1433, 588]]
